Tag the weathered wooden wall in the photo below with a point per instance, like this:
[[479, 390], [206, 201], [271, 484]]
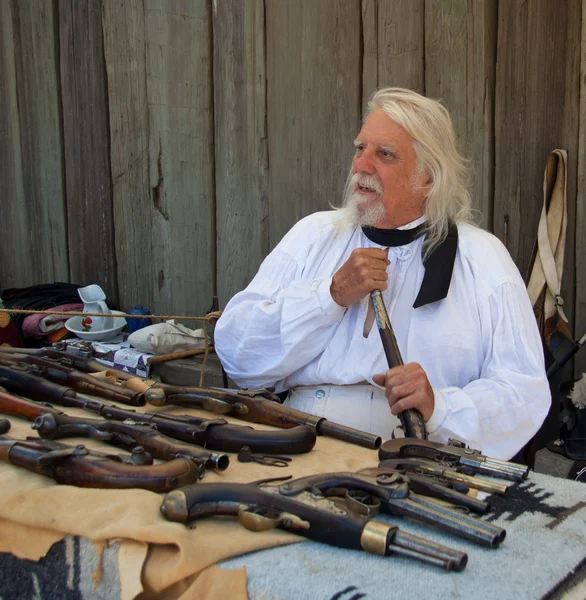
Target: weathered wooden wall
[[161, 148]]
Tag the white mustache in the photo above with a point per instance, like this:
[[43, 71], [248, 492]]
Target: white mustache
[[368, 181]]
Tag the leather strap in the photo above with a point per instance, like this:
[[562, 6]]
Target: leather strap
[[546, 273]]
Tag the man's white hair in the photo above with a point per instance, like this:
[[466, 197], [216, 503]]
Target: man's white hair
[[430, 125]]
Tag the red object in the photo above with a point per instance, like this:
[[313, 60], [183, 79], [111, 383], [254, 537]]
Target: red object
[[9, 334]]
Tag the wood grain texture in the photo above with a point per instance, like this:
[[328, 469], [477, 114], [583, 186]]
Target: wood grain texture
[[85, 141], [580, 320], [369, 33], [400, 34], [181, 155], [460, 51], [313, 105], [536, 111], [124, 52], [13, 224], [36, 238], [240, 144]]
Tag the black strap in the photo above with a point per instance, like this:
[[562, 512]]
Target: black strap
[[391, 238], [438, 267]]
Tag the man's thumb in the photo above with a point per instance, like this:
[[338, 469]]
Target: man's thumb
[[379, 379]]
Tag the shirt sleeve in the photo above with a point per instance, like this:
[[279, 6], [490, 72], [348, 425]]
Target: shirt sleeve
[[277, 325], [499, 412]]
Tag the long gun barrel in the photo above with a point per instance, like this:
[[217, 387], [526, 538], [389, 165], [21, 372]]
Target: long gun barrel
[[411, 419], [261, 509], [62, 375], [256, 410], [214, 434], [395, 498], [76, 465], [454, 457]]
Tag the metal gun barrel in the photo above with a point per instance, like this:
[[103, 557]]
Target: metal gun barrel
[[411, 419], [427, 467], [434, 514], [478, 483], [413, 546], [486, 467], [348, 434], [522, 470]]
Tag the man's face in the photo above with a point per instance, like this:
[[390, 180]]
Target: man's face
[[387, 186]]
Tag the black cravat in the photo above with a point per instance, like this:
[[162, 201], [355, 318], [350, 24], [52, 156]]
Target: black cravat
[[438, 267]]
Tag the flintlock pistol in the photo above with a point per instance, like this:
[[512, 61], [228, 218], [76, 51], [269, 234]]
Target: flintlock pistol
[[321, 520]]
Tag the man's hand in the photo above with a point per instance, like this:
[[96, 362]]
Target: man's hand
[[406, 387], [363, 272]]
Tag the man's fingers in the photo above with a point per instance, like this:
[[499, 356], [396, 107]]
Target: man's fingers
[[398, 392], [401, 405]]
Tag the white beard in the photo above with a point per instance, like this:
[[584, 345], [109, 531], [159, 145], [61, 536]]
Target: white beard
[[357, 210]]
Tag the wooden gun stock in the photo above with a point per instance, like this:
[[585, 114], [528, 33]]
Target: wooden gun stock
[[58, 373], [257, 410], [75, 465]]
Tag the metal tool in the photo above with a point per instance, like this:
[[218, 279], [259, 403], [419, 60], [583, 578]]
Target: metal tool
[[245, 455]]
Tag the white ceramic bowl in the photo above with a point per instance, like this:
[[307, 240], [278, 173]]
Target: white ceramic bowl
[[73, 325]]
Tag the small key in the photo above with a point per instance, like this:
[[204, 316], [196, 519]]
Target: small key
[[245, 455]]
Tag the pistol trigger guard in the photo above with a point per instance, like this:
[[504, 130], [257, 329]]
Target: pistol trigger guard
[[388, 479], [362, 503], [253, 521], [251, 518], [398, 428]]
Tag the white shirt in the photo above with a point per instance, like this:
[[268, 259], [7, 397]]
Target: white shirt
[[479, 346]]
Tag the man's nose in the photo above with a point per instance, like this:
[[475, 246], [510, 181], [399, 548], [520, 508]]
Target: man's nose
[[363, 163]]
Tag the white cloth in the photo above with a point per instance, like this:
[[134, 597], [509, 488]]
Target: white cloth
[[479, 346], [337, 403]]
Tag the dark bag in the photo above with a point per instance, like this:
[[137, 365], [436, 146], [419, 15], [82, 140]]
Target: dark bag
[[572, 424]]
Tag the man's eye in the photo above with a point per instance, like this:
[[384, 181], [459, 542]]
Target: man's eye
[[386, 154], [359, 148]]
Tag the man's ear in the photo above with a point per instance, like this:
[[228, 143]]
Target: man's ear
[[427, 179]]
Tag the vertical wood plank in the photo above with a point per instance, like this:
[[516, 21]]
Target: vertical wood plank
[[460, 51], [159, 84], [580, 328], [313, 105], [124, 52], [16, 263], [401, 44], [35, 240], [181, 152], [370, 58], [240, 143], [536, 111], [86, 138]]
